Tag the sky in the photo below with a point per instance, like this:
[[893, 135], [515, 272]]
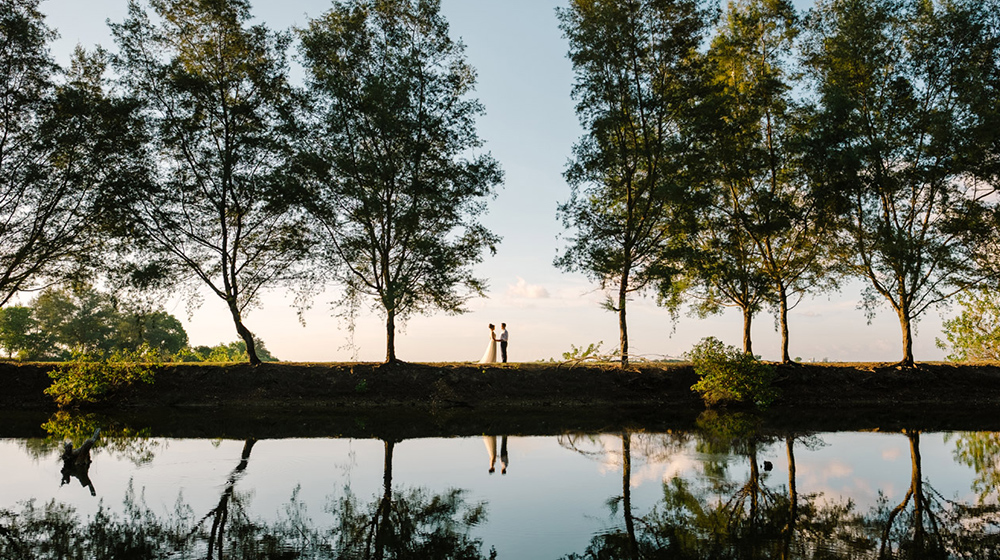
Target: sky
[[524, 82]]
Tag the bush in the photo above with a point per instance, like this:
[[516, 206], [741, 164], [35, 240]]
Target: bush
[[728, 375], [90, 377]]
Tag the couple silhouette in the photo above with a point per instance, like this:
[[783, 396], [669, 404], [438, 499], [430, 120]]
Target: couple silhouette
[[490, 356]]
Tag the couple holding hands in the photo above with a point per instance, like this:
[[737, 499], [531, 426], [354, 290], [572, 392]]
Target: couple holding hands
[[490, 357]]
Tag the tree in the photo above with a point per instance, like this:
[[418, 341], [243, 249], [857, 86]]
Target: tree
[[62, 148], [635, 61], [158, 329], [82, 319], [19, 333], [761, 238], [215, 98], [61, 321], [78, 320], [901, 85], [395, 187], [974, 335]]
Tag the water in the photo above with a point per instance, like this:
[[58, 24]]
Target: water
[[725, 488]]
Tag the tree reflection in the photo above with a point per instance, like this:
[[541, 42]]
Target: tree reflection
[[76, 462], [407, 524], [220, 513], [412, 524], [925, 524], [724, 518], [117, 438], [712, 516], [981, 452], [616, 543]]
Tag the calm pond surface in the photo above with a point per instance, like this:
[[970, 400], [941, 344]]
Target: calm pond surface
[[725, 489]]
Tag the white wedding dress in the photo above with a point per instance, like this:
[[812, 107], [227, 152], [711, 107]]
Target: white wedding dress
[[490, 356]]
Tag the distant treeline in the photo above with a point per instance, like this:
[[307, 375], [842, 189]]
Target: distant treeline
[[741, 155], [61, 323]]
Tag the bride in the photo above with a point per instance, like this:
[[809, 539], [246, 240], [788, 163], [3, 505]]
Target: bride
[[490, 356]]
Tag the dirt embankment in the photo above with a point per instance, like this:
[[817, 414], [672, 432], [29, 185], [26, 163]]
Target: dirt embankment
[[805, 388]]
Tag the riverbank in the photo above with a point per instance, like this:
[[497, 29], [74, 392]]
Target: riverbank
[[519, 385], [447, 400]]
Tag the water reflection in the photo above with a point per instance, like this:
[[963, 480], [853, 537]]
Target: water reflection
[[76, 462], [728, 489]]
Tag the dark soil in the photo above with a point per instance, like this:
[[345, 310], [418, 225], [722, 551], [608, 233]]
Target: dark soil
[[454, 399]]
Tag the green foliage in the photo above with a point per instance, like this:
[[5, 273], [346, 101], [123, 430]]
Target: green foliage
[[729, 375], [117, 438], [77, 320], [94, 377], [61, 321], [591, 352], [224, 353], [19, 333], [974, 335], [158, 329]]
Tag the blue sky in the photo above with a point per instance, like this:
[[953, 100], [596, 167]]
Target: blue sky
[[524, 81]]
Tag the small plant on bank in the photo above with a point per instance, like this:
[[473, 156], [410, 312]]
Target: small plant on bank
[[93, 377], [727, 375]]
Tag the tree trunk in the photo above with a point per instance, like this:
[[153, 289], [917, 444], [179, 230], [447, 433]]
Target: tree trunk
[[754, 485], [783, 320], [221, 512], [382, 515], [793, 500], [244, 333], [622, 324], [390, 336], [747, 321], [627, 494], [907, 329], [917, 486]]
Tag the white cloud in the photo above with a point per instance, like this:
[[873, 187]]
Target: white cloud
[[891, 454], [524, 290]]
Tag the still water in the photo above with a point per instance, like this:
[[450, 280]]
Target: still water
[[723, 490]]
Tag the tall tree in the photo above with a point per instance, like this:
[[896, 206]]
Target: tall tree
[[396, 187], [635, 63], [900, 88], [61, 147], [215, 97], [761, 239]]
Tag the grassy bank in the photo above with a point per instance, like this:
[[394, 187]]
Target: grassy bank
[[805, 388]]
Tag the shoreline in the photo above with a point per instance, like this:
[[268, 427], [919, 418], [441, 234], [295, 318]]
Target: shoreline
[[371, 400], [514, 385]]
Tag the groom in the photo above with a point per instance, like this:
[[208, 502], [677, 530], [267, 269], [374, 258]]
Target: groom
[[503, 342]]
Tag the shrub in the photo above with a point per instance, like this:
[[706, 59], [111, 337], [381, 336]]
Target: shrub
[[729, 375], [92, 377], [590, 353]]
